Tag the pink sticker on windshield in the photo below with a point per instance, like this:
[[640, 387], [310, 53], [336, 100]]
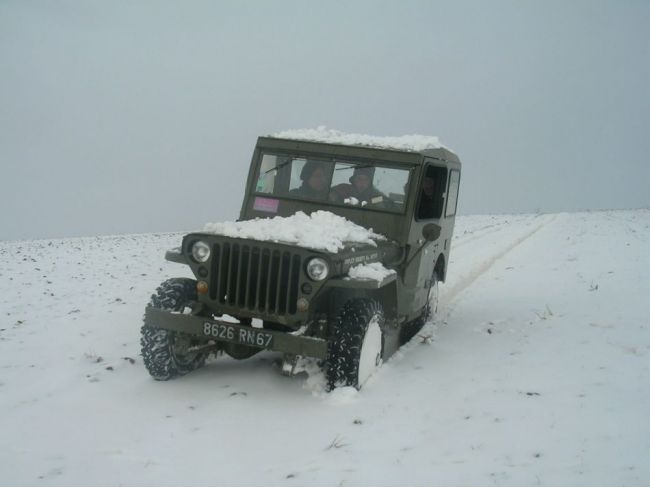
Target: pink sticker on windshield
[[269, 205]]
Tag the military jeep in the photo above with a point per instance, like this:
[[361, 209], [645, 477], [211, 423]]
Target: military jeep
[[250, 295]]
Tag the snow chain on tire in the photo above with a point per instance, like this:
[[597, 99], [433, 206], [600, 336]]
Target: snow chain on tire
[[160, 346]]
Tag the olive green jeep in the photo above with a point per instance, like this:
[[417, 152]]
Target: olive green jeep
[[350, 307]]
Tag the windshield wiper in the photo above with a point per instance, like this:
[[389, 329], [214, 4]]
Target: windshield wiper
[[280, 166], [355, 166]]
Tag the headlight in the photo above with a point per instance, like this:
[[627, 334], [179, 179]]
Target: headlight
[[200, 251], [317, 269]]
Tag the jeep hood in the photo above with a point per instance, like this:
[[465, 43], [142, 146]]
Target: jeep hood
[[320, 231]]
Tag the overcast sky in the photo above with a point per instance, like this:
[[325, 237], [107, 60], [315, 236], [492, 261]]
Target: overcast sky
[[141, 116]]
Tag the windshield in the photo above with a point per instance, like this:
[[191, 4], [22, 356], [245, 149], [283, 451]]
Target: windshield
[[338, 182]]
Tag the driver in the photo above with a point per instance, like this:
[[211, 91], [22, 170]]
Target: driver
[[315, 180]]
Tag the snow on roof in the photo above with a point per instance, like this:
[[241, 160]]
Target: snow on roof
[[321, 230], [411, 143]]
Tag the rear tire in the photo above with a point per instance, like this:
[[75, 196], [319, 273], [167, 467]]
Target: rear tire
[[356, 349], [164, 352]]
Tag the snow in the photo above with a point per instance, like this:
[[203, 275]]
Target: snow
[[370, 357], [374, 271], [411, 143], [534, 372], [322, 230]]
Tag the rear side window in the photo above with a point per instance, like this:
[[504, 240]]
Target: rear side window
[[452, 193]]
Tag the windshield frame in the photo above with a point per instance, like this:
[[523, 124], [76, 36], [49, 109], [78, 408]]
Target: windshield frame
[[333, 160]]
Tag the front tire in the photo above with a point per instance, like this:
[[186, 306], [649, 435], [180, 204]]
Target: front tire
[[165, 352], [356, 349]]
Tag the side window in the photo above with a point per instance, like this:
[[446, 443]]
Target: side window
[[432, 193], [452, 192]]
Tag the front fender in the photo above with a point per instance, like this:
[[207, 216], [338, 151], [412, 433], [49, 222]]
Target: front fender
[[175, 255]]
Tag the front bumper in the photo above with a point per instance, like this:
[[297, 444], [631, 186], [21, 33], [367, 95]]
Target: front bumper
[[196, 325]]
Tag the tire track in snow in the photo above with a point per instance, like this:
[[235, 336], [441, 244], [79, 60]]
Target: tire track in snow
[[486, 264], [482, 231], [478, 234]]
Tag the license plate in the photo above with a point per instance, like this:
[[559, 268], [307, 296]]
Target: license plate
[[244, 336]]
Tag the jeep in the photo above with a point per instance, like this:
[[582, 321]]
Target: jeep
[[252, 294]]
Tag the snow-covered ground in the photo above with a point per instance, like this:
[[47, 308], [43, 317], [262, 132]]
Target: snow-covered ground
[[535, 372]]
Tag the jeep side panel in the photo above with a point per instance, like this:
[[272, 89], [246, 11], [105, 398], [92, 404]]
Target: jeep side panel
[[420, 264]]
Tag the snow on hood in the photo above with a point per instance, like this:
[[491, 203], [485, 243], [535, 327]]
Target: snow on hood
[[321, 230], [412, 143]]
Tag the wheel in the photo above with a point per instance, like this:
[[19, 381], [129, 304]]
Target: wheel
[[430, 309], [165, 352], [356, 349]]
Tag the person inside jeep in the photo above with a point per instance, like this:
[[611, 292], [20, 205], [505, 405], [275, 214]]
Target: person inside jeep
[[315, 180], [360, 188], [427, 203], [432, 193]]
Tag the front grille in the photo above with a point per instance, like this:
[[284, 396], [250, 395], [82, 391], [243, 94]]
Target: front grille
[[255, 278]]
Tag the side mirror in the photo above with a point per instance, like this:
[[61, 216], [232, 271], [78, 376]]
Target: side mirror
[[431, 232]]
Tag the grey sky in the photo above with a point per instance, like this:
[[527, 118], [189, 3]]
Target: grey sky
[[129, 117]]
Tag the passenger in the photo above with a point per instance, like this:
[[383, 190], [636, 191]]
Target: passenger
[[427, 202], [361, 188], [315, 180]]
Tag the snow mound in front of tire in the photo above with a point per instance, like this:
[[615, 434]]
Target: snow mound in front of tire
[[316, 383]]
